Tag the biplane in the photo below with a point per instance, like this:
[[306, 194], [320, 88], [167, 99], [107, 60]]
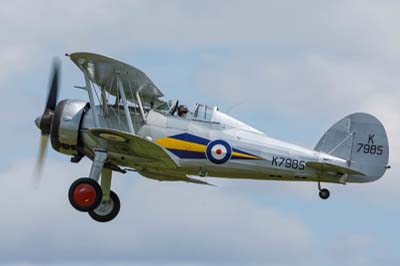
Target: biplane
[[127, 126]]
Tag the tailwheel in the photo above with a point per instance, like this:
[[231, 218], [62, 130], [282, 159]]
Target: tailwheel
[[107, 210], [85, 194], [324, 193]]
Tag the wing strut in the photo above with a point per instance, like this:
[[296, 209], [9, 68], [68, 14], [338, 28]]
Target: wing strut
[[140, 106], [88, 87], [126, 108]]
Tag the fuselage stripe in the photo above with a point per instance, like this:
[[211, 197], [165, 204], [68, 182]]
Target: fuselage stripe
[[188, 154], [188, 146], [176, 144], [191, 138], [237, 155]]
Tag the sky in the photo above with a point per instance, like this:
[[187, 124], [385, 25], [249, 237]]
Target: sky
[[289, 68]]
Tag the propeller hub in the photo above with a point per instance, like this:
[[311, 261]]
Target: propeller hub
[[37, 121], [45, 122]]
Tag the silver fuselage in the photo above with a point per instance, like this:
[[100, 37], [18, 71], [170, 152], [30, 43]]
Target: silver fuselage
[[276, 160]]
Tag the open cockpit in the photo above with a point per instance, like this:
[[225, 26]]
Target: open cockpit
[[202, 113]]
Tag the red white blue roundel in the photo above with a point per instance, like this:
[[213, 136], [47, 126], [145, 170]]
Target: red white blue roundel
[[218, 151]]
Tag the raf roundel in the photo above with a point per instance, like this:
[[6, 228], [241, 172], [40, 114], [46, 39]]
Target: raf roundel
[[218, 151]]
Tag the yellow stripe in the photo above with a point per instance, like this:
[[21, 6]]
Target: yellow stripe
[[176, 144], [242, 155]]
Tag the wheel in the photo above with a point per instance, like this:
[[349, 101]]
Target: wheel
[[108, 210], [85, 194], [324, 193]]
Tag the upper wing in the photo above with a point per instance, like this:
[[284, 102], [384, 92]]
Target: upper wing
[[149, 153], [103, 70]]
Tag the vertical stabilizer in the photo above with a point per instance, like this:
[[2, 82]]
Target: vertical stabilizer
[[361, 140]]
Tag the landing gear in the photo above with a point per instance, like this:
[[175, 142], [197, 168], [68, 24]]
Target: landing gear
[[85, 194], [107, 210], [323, 192]]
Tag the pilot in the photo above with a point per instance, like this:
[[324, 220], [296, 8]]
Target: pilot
[[182, 111]]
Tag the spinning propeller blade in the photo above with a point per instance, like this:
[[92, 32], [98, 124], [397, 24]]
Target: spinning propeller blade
[[45, 120], [40, 160]]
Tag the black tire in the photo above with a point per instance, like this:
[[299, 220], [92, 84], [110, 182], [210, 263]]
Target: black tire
[[324, 194], [94, 202], [110, 214]]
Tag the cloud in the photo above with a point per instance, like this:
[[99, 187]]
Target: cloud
[[163, 223], [184, 25], [301, 84], [159, 222], [307, 64]]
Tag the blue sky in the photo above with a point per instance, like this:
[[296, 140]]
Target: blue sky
[[290, 69]]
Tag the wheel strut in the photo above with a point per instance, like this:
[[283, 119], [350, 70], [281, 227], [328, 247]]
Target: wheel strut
[[106, 175], [100, 157], [110, 204], [87, 195]]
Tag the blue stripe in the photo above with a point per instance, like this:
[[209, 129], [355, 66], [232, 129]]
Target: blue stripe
[[188, 154], [200, 155], [191, 138]]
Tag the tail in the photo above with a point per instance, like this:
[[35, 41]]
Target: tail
[[361, 140]]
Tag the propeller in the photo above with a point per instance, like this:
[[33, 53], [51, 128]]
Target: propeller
[[44, 121]]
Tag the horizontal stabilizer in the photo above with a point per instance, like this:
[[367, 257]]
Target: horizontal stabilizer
[[328, 167]]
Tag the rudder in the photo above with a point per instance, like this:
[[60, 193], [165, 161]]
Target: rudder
[[361, 140]]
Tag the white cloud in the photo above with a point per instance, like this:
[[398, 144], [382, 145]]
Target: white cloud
[[311, 61], [159, 222], [354, 26], [299, 85]]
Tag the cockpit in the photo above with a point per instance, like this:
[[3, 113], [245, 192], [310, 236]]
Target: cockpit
[[201, 113], [198, 112]]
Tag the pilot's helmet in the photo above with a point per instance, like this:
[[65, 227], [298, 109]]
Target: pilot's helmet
[[182, 109]]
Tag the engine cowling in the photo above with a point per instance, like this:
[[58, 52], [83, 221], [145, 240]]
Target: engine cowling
[[67, 119]]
